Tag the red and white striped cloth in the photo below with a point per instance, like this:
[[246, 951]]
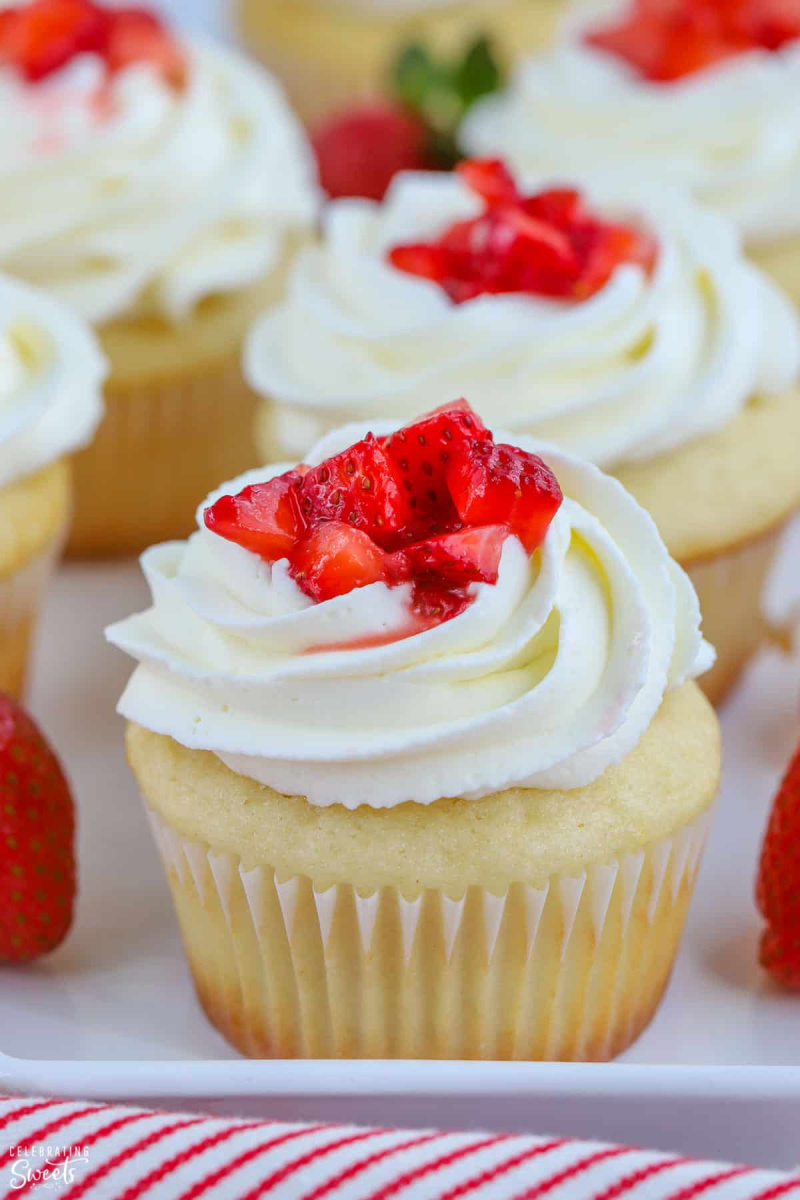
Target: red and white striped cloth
[[72, 1151]]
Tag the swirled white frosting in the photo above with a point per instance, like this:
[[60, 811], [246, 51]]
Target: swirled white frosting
[[137, 196], [645, 365], [51, 377], [729, 133], [545, 680]]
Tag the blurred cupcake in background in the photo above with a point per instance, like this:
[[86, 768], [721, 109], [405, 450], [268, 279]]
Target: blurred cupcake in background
[[331, 54], [618, 321], [154, 186], [51, 378], [702, 92]]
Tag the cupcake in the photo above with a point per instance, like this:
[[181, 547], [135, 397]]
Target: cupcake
[[419, 738], [619, 322], [332, 53], [51, 376], [154, 187], [702, 92]]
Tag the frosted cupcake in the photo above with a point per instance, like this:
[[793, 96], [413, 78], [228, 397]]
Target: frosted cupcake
[[702, 92], [419, 739], [154, 187], [630, 331], [331, 53], [51, 376]]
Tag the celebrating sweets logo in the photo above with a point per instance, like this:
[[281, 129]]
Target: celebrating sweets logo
[[45, 1167]]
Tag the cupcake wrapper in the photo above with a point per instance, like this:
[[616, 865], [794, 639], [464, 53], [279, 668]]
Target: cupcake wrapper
[[573, 970], [730, 588], [161, 448], [21, 596]]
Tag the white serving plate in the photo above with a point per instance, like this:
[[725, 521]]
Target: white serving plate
[[112, 1014]]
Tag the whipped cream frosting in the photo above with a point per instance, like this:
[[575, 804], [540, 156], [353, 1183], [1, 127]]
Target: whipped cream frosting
[[643, 366], [51, 377], [729, 133], [548, 678], [131, 196]]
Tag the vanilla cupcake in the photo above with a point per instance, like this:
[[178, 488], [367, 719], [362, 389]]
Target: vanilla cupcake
[[419, 740], [51, 376], [703, 94], [332, 53], [673, 362], [155, 188]]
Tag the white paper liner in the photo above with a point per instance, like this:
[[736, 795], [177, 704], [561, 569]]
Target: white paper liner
[[21, 596], [730, 588], [571, 970]]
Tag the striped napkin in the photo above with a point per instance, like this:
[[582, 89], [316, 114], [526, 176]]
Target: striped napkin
[[68, 1150]]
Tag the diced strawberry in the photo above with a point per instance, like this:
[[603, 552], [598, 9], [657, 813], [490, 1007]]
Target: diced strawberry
[[137, 35], [360, 487], [360, 152], [778, 887], [420, 455], [334, 558], [490, 179], [265, 517], [548, 244], [499, 484], [443, 568], [42, 37]]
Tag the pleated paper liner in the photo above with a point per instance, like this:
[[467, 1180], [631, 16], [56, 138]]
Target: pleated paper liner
[[730, 587], [161, 448], [22, 594], [573, 970]]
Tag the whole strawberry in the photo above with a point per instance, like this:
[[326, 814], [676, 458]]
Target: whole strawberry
[[360, 152], [778, 889], [37, 831]]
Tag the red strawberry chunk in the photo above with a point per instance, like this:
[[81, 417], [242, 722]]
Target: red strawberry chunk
[[42, 37], [360, 487], [778, 886], [548, 244], [493, 484], [334, 558], [137, 35], [431, 504], [420, 455], [668, 41], [264, 518]]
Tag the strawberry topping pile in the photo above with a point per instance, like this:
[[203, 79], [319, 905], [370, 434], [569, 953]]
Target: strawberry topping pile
[[778, 889], [37, 830], [667, 40], [41, 37], [550, 244], [430, 505]]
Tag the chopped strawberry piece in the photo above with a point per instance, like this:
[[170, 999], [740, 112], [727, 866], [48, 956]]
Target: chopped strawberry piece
[[360, 152], [421, 454], [778, 887], [490, 179], [334, 559], [548, 244], [443, 568], [137, 35], [668, 41], [359, 486], [430, 505], [265, 517], [43, 36], [493, 484]]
